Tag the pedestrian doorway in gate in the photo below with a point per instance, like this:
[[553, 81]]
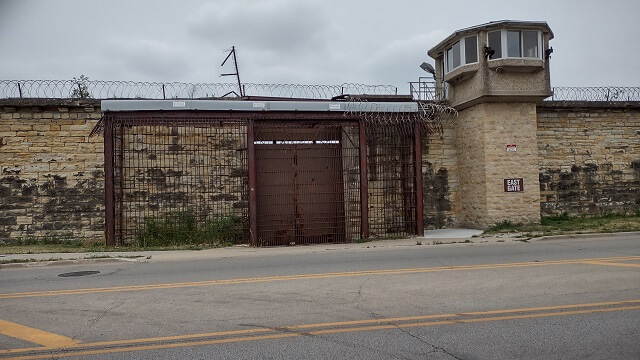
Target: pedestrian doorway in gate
[[301, 188]]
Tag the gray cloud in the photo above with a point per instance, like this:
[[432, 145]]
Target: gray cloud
[[145, 59], [273, 26], [297, 41]]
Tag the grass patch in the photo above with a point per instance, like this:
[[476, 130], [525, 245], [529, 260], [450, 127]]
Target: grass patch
[[562, 224], [503, 227], [42, 245], [47, 249], [184, 228]]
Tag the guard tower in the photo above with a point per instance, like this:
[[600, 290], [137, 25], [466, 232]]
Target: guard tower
[[494, 74]]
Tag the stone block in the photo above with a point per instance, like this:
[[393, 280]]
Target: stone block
[[56, 166], [87, 148], [42, 127], [38, 149], [8, 220], [33, 168], [50, 157], [84, 128], [20, 127], [24, 220]]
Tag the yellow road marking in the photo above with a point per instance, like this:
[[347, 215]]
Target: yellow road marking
[[339, 323], [464, 321], [607, 263], [308, 276], [35, 336], [384, 324]]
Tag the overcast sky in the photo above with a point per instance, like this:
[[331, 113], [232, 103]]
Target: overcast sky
[[597, 43]]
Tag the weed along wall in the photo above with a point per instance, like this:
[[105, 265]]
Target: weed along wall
[[51, 171]]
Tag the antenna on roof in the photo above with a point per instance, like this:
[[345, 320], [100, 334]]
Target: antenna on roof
[[237, 73]]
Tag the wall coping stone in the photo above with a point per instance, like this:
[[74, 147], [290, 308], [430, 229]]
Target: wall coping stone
[[49, 103]]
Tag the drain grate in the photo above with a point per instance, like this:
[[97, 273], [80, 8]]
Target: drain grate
[[79, 273]]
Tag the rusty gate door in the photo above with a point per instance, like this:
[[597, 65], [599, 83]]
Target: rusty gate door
[[300, 192]]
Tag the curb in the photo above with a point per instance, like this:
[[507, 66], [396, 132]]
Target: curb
[[42, 263], [371, 245]]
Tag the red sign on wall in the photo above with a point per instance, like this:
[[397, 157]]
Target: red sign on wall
[[514, 185]]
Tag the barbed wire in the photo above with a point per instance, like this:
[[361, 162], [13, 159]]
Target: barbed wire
[[98, 89], [431, 116], [602, 93], [426, 90]]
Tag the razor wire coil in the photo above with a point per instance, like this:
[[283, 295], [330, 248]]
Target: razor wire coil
[[99, 89]]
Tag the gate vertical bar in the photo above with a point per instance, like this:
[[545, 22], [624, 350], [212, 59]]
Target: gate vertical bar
[[120, 199], [108, 182], [405, 193], [418, 180], [251, 159], [364, 185]]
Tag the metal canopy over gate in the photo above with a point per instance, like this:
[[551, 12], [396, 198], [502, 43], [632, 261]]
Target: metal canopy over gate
[[265, 178]]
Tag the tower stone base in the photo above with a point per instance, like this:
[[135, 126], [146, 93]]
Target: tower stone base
[[498, 141]]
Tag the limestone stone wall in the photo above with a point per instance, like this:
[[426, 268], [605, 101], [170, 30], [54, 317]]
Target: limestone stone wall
[[51, 171], [440, 179], [589, 157], [580, 158]]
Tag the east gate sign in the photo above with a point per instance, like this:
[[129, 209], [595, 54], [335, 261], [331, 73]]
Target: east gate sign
[[513, 185]]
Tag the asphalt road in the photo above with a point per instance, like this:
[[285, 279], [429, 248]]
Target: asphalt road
[[552, 299]]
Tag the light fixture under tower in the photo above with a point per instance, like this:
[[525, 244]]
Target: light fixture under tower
[[428, 68]]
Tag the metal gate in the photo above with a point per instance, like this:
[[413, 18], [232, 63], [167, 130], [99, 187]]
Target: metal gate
[[300, 186], [216, 177]]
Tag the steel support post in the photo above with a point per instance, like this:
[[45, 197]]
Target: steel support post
[[251, 157], [418, 180], [108, 182], [364, 184]]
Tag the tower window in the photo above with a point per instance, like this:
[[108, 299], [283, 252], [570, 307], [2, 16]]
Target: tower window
[[518, 43], [462, 52]]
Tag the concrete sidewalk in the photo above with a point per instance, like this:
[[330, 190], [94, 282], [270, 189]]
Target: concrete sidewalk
[[431, 237], [442, 236]]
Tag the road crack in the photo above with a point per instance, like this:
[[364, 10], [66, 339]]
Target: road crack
[[435, 348], [358, 303], [100, 316]]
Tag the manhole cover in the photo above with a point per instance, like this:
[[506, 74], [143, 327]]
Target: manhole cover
[[79, 273]]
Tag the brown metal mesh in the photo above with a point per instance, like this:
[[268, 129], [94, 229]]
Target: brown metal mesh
[[182, 178], [391, 173], [182, 183]]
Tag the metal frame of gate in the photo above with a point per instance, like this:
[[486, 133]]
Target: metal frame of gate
[[202, 115]]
